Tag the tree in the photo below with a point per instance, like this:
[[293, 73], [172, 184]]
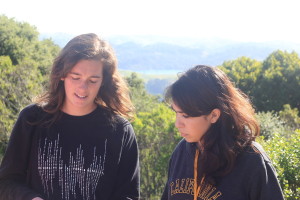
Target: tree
[[157, 138], [18, 85], [290, 116], [270, 84], [16, 39], [141, 99], [5, 120], [20, 41], [24, 66], [271, 123], [244, 73], [279, 82]]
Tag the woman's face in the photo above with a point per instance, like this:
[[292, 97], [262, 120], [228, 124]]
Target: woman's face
[[82, 85], [192, 128]]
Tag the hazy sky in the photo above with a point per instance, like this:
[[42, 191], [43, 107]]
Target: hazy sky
[[242, 20]]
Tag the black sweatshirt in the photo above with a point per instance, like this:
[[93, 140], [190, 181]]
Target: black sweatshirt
[[253, 177], [78, 157]]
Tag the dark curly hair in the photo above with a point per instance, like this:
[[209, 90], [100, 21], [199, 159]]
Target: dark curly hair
[[197, 92]]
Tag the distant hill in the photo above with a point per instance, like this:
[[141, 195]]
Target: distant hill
[[138, 53], [154, 56]]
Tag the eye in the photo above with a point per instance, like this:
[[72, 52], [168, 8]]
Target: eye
[[92, 81], [75, 78], [185, 116]]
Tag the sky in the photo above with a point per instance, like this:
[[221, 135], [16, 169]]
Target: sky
[[239, 20]]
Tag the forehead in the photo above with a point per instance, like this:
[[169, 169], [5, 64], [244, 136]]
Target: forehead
[[87, 67], [176, 108]]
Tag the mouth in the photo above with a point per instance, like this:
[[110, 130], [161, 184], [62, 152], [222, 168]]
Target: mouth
[[81, 97], [183, 134]]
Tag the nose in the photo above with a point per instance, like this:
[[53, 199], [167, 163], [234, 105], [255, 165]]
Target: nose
[[83, 85], [178, 122]]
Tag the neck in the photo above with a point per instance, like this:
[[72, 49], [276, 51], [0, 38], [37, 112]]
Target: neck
[[200, 146], [79, 111]]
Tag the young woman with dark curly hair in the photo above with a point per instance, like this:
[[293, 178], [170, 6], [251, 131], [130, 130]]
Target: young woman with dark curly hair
[[218, 157]]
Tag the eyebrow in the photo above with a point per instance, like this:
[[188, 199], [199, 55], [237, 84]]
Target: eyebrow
[[175, 110], [94, 76]]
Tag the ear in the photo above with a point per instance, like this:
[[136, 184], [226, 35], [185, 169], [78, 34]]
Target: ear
[[214, 115]]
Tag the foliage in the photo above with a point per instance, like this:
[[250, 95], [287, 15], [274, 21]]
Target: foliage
[[285, 154], [155, 83], [271, 123], [157, 137], [284, 122], [279, 84], [141, 99], [243, 72], [5, 121], [16, 39], [290, 116], [270, 84], [19, 40], [281, 140], [24, 66], [13, 97]]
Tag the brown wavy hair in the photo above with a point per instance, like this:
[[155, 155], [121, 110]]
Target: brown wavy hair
[[200, 90], [113, 94]]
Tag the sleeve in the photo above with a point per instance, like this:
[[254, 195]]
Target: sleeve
[[264, 184], [15, 161], [128, 183]]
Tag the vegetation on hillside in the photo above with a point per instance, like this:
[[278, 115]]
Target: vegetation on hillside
[[24, 66]]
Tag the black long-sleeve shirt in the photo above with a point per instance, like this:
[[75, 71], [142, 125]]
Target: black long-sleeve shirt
[[253, 177], [78, 157]]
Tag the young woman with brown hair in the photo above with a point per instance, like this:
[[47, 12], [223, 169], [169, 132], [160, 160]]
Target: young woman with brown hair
[[75, 143], [218, 157]]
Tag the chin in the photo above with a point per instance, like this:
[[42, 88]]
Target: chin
[[189, 140]]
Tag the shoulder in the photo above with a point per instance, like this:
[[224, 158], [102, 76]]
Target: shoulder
[[255, 152], [254, 157], [182, 159], [106, 116], [251, 166], [259, 174], [32, 112], [122, 127], [124, 132], [184, 148], [121, 121], [121, 124], [31, 108], [259, 149], [181, 145]]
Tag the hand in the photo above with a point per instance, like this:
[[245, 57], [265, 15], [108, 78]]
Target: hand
[[37, 198]]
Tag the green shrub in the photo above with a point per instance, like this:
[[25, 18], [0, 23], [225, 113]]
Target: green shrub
[[290, 116], [271, 123], [285, 154]]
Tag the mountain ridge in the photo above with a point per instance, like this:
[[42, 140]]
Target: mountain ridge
[[137, 53]]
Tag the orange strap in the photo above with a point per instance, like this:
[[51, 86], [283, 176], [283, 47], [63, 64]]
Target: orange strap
[[197, 188]]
